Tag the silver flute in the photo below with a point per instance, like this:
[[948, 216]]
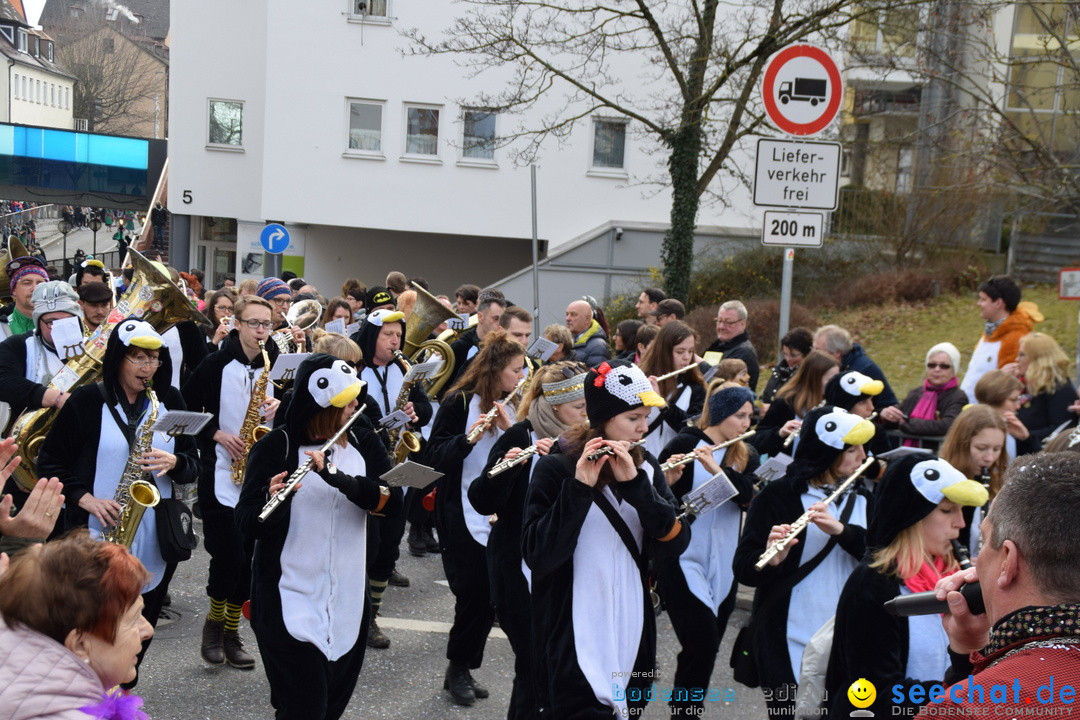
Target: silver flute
[[504, 465], [294, 480], [691, 457], [608, 450], [489, 416]]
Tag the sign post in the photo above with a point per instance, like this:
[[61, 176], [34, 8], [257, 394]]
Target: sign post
[[274, 239], [801, 90]]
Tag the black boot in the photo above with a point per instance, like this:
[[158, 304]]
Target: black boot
[[417, 541], [432, 543], [457, 682], [235, 654], [213, 641], [478, 690], [397, 579], [375, 637]]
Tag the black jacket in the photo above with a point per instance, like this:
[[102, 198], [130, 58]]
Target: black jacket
[[1043, 413], [15, 389], [740, 348]]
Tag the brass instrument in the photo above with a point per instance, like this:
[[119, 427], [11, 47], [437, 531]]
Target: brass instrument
[[134, 493], [403, 441], [489, 416], [504, 465], [153, 297], [251, 430], [607, 450], [294, 480], [799, 525], [428, 313], [15, 248], [302, 315], [670, 464]]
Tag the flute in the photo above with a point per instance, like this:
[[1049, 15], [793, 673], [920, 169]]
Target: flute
[[791, 438], [670, 464], [504, 465], [608, 450], [799, 525], [489, 416], [294, 480], [673, 373]]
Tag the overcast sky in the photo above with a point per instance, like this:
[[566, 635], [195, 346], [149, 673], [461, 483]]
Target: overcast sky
[[33, 10]]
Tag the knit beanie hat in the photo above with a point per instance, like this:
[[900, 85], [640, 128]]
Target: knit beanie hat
[[949, 349], [614, 387], [726, 402], [847, 389], [826, 433], [910, 490], [55, 296], [22, 266], [272, 287]]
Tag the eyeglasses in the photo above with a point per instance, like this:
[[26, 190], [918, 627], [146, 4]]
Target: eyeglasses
[[256, 324], [154, 363], [728, 323], [224, 309], [49, 323], [935, 366], [281, 302]]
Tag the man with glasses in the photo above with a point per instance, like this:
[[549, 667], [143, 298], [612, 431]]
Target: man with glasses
[[278, 294], [732, 340], [223, 385], [28, 362]]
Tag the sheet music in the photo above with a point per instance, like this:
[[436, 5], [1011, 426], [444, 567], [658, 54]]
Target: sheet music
[[181, 422], [411, 474], [774, 468], [710, 494], [337, 325], [285, 366], [423, 370]]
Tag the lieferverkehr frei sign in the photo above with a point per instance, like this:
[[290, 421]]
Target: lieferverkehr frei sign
[[797, 174]]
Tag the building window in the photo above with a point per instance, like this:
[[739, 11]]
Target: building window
[[421, 131], [16, 86], [609, 143], [365, 126], [67, 98], [478, 141], [37, 84], [49, 51], [892, 33], [24, 95], [903, 171], [374, 8], [34, 44], [22, 40], [226, 122]]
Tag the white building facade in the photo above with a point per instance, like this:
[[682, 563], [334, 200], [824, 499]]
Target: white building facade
[[311, 115]]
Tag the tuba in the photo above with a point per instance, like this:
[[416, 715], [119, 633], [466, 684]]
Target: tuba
[[251, 431], [428, 314], [134, 493], [152, 297]]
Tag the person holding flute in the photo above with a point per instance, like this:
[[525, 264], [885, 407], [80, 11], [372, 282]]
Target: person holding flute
[[471, 418], [698, 587], [553, 404], [310, 608], [797, 589], [669, 363]]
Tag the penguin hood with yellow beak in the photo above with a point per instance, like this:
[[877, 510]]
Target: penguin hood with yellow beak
[[615, 387], [322, 381], [129, 336], [826, 433], [846, 389]]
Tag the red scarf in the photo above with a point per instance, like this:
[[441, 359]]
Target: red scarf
[[926, 408], [927, 576]]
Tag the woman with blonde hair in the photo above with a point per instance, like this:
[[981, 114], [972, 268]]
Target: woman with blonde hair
[[975, 445], [916, 517], [684, 394], [1048, 392], [553, 404], [798, 396], [1001, 391]]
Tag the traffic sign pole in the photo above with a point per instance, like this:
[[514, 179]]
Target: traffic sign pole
[[785, 295]]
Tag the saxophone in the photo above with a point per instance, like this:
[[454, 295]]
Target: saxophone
[[134, 493], [251, 430], [403, 441]]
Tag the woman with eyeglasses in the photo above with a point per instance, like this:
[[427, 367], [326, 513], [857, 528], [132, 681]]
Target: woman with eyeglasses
[[219, 310], [1049, 395], [223, 385], [929, 410], [90, 443]]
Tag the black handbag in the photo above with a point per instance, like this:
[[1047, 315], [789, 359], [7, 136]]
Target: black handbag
[[176, 530], [742, 662]]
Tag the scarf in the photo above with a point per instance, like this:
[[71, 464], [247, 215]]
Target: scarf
[[1034, 622], [594, 327], [927, 576], [926, 408], [544, 421], [19, 323], [116, 705]]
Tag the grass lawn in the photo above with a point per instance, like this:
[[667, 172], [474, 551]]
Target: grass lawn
[[898, 336]]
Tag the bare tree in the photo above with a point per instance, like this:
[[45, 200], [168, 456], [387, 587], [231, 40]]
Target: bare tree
[[120, 85], [684, 73]]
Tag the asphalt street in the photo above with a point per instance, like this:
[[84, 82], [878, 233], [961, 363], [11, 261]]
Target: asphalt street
[[403, 682]]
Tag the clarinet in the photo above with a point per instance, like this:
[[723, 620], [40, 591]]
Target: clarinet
[[961, 554], [294, 480]]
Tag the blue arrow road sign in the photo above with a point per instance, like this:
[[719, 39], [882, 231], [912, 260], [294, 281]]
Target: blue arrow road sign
[[274, 238]]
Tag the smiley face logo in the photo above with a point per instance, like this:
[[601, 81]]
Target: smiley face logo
[[862, 693]]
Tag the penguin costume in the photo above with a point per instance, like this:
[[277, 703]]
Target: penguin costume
[[698, 587], [855, 392], [587, 538], [795, 596], [870, 643], [92, 438], [309, 606]]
